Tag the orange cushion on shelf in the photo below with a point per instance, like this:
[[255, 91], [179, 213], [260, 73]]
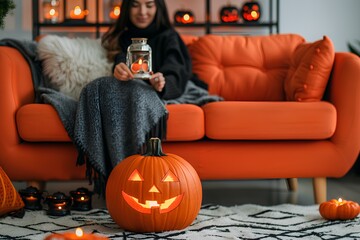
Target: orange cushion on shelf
[[10, 200], [310, 70]]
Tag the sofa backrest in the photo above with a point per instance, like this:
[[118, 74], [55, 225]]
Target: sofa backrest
[[244, 68]]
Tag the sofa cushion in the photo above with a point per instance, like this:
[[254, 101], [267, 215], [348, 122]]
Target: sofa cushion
[[68, 63], [244, 68], [269, 120], [310, 70], [41, 123]]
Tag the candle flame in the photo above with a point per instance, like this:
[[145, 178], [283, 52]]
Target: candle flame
[[254, 14], [59, 207], [140, 61], [186, 17], [116, 11], [82, 198], [52, 12], [77, 10], [340, 200], [79, 232]]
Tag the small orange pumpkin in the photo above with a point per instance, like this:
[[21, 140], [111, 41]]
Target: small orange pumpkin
[[153, 192], [339, 209]]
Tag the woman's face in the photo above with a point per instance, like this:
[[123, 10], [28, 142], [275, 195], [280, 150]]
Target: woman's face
[[142, 12]]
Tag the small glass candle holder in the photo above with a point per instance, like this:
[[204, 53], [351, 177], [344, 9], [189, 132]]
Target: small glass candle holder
[[51, 11], [32, 198], [138, 58], [81, 199], [58, 204]]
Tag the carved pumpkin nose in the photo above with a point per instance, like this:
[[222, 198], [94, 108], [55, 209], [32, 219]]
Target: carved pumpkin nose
[[154, 189]]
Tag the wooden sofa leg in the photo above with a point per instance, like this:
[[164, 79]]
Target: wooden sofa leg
[[292, 184], [319, 186], [40, 185]]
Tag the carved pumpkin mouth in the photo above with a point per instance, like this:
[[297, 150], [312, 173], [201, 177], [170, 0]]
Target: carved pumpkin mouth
[[167, 206]]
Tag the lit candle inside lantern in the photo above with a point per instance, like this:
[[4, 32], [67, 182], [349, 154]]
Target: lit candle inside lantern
[[32, 198], [52, 15], [58, 204], [254, 14], [78, 13], [115, 12], [51, 10], [140, 66]]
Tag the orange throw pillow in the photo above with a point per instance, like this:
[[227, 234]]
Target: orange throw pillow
[[10, 200], [309, 71]]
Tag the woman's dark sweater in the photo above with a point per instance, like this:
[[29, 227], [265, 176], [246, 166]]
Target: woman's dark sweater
[[170, 56]]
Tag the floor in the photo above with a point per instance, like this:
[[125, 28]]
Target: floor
[[229, 193]]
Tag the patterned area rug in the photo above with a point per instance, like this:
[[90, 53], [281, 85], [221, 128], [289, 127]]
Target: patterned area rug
[[213, 222]]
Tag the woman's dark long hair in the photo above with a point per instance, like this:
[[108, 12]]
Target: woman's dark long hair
[[110, 38]]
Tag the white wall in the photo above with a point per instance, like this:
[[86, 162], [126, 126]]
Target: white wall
[[338, 19]]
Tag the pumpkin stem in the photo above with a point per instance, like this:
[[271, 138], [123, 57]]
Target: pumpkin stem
[[154, 148]]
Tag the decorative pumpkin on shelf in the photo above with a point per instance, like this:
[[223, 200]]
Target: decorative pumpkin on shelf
[[339, 209], [184, 17], [229, 14], [251, 11], [153, 192]]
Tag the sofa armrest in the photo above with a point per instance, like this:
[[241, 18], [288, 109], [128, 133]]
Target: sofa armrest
[[344, 92], [16, 90]]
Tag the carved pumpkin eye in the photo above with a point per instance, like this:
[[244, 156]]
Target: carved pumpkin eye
[[170, 177], [136, 176]]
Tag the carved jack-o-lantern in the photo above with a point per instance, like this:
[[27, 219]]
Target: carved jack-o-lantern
[[229, 14], [250, 11], [184, 17], [153, 192]]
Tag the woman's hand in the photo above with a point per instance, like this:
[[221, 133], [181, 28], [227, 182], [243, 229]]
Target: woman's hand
[[157, 80], [122, 72]]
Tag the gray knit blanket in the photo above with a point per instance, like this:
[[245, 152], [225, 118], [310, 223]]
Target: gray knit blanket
[[113, 120], [110, 122]]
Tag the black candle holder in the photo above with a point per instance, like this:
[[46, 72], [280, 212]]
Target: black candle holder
[[81, 199], [32, 198], [58, 204]]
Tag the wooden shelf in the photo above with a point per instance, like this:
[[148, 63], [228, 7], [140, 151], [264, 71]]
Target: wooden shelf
[[208, 25]]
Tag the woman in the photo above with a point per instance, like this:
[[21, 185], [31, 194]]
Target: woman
[[116, 115], [171, 61]]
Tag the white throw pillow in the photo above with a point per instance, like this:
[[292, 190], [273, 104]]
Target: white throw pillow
[[71, 63]]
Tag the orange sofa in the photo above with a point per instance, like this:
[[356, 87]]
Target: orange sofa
[[280, 118]]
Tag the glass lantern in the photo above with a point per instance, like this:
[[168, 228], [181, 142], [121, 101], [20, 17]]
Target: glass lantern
[[51, 11], [138, 58], [81, 199], [58, 204], [32, 198]]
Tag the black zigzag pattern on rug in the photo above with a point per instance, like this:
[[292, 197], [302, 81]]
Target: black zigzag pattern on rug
[[213, 222]]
